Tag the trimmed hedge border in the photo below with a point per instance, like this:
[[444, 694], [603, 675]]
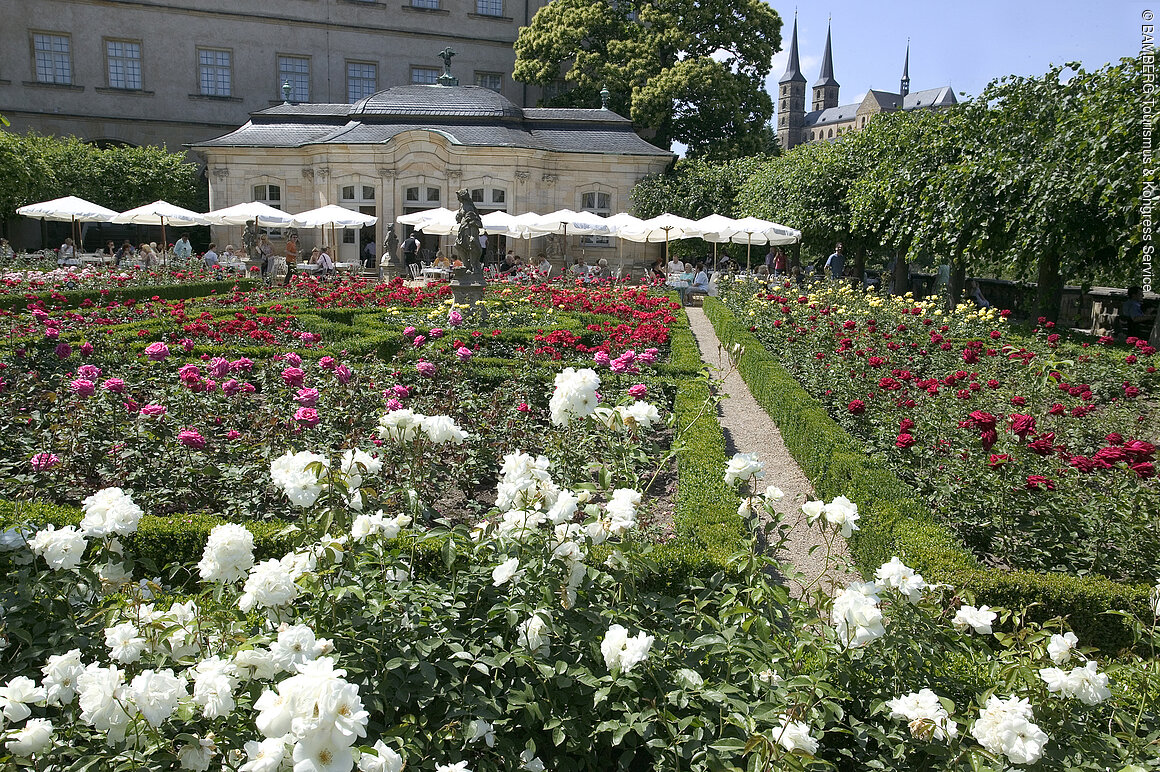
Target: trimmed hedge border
[[74, 298], [894, 522]]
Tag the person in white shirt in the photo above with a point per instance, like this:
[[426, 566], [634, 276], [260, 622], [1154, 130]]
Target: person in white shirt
[[68, 253], [325, 264], [545, 266], [676, 266], [182, 249]]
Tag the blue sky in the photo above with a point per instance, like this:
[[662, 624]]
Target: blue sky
[[965, 45]]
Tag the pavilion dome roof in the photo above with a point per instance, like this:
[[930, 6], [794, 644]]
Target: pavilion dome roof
[[437, 101]]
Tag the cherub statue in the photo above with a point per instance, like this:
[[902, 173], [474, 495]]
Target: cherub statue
[[391, 246], [250, 240]]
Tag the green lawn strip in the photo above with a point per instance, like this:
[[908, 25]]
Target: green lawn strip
[[894, 522], [74, 298]]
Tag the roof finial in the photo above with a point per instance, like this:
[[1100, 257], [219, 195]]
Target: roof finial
[[286, 89], [904, 86], [604, 96], [447, 79]]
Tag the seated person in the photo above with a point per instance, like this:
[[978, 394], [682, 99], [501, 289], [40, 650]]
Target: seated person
[[687, 274], [976, 295], [545, 265], [457, 263], [600, 270], [441, 260], [325, 263], [700, 284], [314, 255], [1132, 313], [656, 270], [675, 266], [210, 258], [763, 272], [508, 264], [125, 253], [580, 268], [110, 250]]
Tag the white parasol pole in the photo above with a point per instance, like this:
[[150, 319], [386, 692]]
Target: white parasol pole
[[748, 249]]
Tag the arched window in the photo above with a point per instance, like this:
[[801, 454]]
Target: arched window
[[831, 134]]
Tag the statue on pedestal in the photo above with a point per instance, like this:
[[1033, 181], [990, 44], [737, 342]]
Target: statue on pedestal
[[250, 240], [467, 248], [390, 246]]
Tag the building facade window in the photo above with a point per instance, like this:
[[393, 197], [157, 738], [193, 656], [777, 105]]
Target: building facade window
[[554, 89], [53, 55], [123, 63], [491, 80], [489, 7], [489, 199], [362, 80], [294, 70], [597, 203], [270, 195], [215, 71], [430, 5], [424, 76]]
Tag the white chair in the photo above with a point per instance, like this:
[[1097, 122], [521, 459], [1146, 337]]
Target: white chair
[[416, 271]]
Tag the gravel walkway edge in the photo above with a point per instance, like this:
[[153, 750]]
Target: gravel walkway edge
[[749, 429]]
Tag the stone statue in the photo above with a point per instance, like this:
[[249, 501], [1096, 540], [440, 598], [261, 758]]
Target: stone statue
[[467, 247], [250, 240], [390, 246]]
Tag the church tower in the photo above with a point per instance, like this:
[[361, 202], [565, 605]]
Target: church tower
[[826, 88], [904, 86], [791, 98]]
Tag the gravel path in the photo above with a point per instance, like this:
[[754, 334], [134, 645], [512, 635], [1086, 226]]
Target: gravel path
[[749, 429]]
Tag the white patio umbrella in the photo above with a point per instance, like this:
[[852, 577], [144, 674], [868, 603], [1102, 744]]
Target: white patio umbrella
[[333, 215], [439, 221], [504, 224], [622, 221], [663, 227], [752, 230], [240, 214], [161, 213], [69, 209], [718, 228], [580, 223]]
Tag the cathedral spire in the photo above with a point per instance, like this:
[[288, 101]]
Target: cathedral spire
[[827, 76], [904, 87], [793, 70]]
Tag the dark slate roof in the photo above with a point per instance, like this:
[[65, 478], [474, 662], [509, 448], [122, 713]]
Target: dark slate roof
[[838, 114], [465, 115], [306, 108], [572, 114], [465, 101], [931, 97]]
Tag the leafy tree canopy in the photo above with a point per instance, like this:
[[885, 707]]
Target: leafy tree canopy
[[34, 167], [690, 71]]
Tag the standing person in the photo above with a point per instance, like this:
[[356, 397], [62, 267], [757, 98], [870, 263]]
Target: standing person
[[836, 263], [770, 259], [411, 250], [182, 250], [779, 263], [265, 252], [1132, 311], [292, 249], [369, 254]]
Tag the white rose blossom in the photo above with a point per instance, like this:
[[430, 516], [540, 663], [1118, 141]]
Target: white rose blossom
[[61, 672], [442, 430], [574, 396], [506, 571], [125, 643], [228, 555], [1061, 647], [924, 714], [795, 736], [300, 485], [742, 467], [1085, 683], [1005, 726], [269, 585], [979, 619], [33, 739], [843, 515], [156, 694], [17, 695], [110, 511], [622, 653], [856, 615], [61, 548], [355, 463], [898, 576], [384, 759]]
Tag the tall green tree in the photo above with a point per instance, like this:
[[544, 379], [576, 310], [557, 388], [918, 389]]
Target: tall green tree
[[664, 62], [694, 188]]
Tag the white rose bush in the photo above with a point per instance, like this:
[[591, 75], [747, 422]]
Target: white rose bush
[[543, 634]]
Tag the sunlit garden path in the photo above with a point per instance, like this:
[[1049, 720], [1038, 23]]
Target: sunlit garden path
[[749, 429]]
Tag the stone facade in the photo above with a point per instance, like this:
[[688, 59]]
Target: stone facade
[[155, 72], [389, 161]]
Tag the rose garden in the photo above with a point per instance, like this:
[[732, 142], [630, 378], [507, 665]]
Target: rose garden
[[346, 525]]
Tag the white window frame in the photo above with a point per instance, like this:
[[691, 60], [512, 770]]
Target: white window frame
[[130, 77], [595, 208], [212, 86], [289, 70], [52, 58], [489, 8]]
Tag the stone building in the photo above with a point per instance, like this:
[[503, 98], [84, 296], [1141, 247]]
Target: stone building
[[826, 119], [171, 72], [410, 148]]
